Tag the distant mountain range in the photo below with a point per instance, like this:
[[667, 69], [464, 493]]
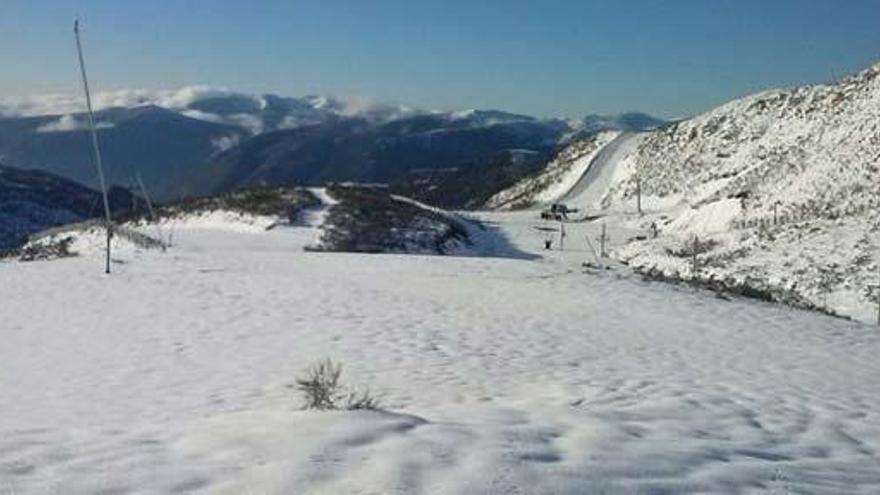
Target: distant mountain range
[[353, 149], [201, 140]]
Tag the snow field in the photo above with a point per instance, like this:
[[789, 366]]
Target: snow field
[[498, 376]]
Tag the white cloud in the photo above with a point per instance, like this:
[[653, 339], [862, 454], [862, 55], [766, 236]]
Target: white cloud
[[359, 106], [224, 143], [68, 123], [252, 123], [294, 120], [199, 115], [68, 103], [184, 97]]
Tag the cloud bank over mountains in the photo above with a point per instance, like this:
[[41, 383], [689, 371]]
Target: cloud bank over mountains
[[251, 112], [255, 114]]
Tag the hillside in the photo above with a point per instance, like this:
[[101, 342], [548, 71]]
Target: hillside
[[31, 201], [159, 144], [784, 186], [469, 186], [356, 150], [370, 220], [780, 191]]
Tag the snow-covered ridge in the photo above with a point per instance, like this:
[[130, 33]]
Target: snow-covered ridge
[[812, 147], [341, 218], [786, 183], [559, 177], [370, 220]]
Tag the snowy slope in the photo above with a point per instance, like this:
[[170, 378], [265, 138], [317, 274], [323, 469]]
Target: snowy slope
[[557, 178], [498, 376], [786, 184], [780, 189]]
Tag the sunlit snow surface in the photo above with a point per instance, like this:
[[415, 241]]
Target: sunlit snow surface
[[500, 375]]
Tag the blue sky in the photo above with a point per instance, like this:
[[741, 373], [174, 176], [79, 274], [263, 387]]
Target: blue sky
[[550, 57]]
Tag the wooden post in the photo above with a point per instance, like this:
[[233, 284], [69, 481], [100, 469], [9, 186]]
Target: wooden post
[[874, 294], [561, 236], [639, 195], [593, 250], [602, 239], [694, 261]]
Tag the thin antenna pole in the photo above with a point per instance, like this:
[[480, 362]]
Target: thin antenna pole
[[97, 149], [150, 208], [145, 195]]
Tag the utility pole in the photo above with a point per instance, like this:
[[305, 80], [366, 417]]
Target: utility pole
[[96, 148], [694, 265]]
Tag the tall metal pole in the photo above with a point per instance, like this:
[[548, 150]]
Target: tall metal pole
[[97, 149]]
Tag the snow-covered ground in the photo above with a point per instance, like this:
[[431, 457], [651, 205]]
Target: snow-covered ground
[[498, 375]]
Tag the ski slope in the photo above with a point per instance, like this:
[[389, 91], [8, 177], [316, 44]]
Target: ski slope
[[593, 184], [498, 375]]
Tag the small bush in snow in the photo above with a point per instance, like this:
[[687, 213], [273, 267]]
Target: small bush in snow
[[323, 391], [56, 248], [688, 247]]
